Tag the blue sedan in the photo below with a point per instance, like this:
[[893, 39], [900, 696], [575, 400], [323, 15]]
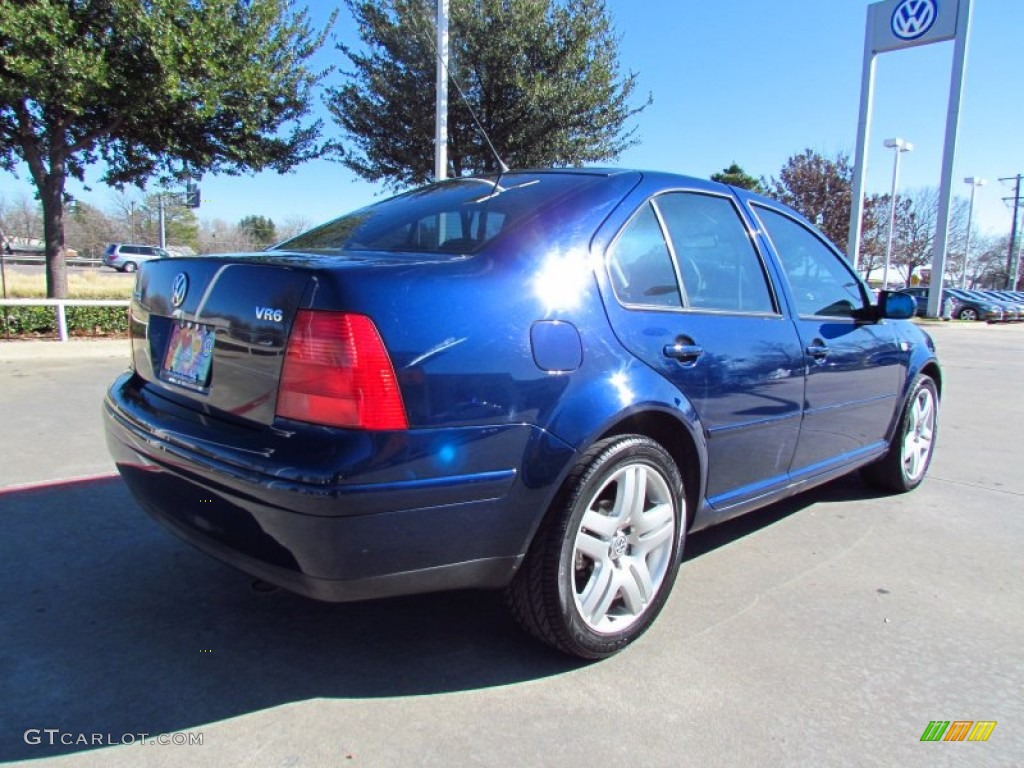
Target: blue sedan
[[538, 381]]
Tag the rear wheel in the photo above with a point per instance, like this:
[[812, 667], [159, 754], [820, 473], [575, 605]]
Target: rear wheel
[[968, 313], [604, 561], [129, 266], [904, 466]]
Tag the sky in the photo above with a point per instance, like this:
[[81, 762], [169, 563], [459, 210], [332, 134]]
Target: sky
[[749, 81]]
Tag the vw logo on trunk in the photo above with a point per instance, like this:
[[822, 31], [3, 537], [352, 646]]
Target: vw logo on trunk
[[913, 18], [179, 288]]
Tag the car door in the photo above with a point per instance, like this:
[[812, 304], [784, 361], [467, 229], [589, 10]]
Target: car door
[[854, 367], [693, 300]]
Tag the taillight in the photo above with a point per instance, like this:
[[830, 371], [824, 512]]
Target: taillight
[[337, 372]]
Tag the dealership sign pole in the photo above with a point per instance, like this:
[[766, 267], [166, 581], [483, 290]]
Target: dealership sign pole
[[893, 25]]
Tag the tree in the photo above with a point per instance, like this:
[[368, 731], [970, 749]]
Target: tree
[[294, 225], [218, 236], [737, 177], [542, 77], [88, 230], [820, 189], [874, 234], [917, 214], [989, 263], [167, 86], [21, 218], [125, 210], [259, 229], [181, 227]]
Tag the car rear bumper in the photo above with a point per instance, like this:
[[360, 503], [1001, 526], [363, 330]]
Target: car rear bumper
[[355, 530]]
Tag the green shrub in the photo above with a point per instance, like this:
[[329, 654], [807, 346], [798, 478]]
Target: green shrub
[[82, 321]]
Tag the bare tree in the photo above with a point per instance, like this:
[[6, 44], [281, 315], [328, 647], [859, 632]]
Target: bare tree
[[21, 218], [126, 211], [294, 225], [914, 237], [988, 267], [219, 236], [88, 230]]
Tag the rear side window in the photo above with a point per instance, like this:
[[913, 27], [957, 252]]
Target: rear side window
[[821, 281], [640, 265], [718, 263]]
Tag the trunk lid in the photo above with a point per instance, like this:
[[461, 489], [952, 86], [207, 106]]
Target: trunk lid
[[214, 330]]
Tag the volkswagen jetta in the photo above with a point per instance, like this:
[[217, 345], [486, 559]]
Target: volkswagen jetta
[[537, 381]]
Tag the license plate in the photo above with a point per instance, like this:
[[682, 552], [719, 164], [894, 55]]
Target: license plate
[[189, 356]]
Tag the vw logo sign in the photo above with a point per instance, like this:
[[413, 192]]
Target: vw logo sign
[[179, 288], [913, 18]]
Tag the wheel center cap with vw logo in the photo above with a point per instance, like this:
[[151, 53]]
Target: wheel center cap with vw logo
[[618, 547], [913, 18], [179, 289]]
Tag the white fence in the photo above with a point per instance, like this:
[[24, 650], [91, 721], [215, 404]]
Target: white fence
[[60, 305]]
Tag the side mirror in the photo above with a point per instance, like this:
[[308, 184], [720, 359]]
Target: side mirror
[[896, 306]]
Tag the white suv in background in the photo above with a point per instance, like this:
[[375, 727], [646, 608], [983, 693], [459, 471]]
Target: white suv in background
[[126, 258]]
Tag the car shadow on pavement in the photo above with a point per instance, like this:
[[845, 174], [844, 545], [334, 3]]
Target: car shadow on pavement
[[111, 625], [847, 488]]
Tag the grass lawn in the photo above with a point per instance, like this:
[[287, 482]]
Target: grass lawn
[[81, 285]]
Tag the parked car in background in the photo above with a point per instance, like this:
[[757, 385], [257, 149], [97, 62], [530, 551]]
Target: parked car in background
[[1008, 298], [126, 257], [1011, 309], [920, 295], [976, 307], [536, 381]]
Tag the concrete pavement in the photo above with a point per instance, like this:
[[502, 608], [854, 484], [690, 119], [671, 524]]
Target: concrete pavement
[[828, 630]]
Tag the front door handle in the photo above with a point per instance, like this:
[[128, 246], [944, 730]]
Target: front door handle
[[818, 350], [684, 353]]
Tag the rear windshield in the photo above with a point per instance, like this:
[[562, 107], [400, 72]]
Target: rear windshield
[[458, 216]]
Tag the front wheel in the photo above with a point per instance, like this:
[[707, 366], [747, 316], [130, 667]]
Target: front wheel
[[604, 561], [968, 313], [904, 466]]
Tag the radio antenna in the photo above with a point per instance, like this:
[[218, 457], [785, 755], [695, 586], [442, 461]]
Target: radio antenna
[[462, 95]]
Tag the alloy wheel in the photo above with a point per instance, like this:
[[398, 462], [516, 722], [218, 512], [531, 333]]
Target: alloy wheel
[[918, 440], [623, 548]]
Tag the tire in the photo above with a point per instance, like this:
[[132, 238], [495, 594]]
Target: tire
[[967, 313], [603, 562], [906, 463], [129, 266]]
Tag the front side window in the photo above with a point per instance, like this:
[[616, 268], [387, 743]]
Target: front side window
[[640, 265], [718, 263], [820, 280]]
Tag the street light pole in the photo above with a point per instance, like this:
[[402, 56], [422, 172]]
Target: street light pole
[[975, 183], [901, 146], [163, 231], [441, 96]]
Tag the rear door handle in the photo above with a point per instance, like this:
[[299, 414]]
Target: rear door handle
[[684, 353]]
